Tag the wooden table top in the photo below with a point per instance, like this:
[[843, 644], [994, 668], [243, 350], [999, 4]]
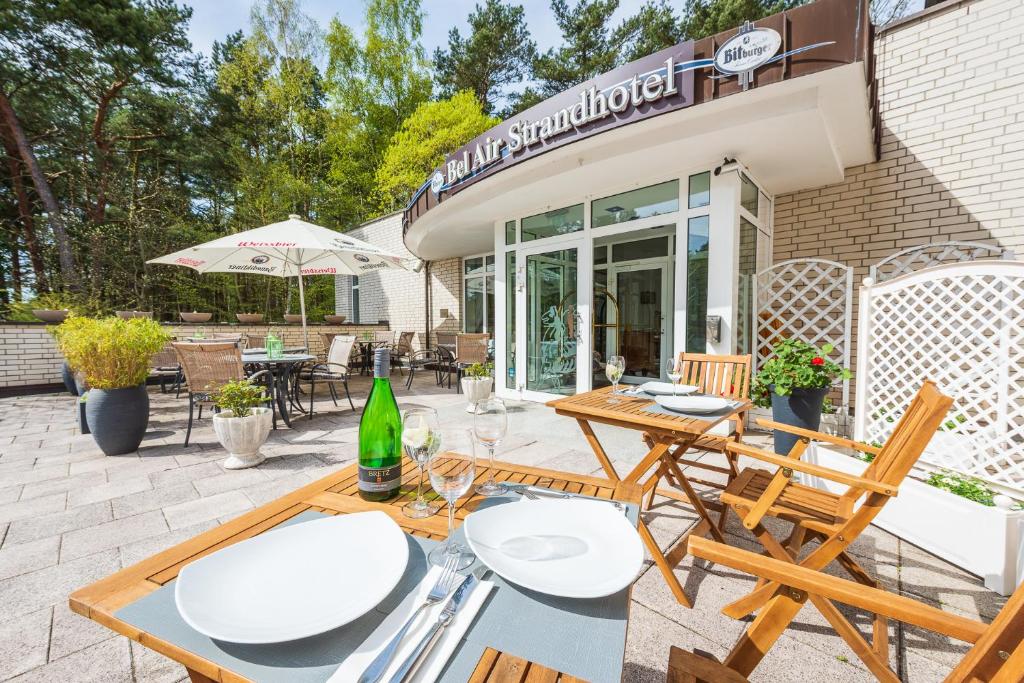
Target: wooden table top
[[629, 412], [336, 493]]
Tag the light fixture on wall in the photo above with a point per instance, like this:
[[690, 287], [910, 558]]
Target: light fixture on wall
[[420, 263], [727, 166]]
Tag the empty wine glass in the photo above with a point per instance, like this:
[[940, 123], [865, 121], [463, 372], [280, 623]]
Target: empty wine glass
[[420, 441], [490, 423], [674, 370], [613, 371], [451, 474]]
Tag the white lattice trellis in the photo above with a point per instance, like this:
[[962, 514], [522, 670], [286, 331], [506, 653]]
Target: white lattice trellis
[[961, 325], [809, 299], [928, 255]]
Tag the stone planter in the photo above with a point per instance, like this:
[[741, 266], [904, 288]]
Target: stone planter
[[50, 316], [292, 318], [196, 317], [242, 436], [334, 319], [128, 315], [476, 389], [249, 318], [802, 408], [117, 418], [68, 376]]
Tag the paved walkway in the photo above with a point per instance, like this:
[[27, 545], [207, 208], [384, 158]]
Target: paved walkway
[[69, 516]]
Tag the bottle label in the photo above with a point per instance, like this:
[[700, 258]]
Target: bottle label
[[382, 363], [378, 479]]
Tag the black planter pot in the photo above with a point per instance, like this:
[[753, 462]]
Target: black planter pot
[[69, 379], [83, 421], [118, 418], [802, 408]]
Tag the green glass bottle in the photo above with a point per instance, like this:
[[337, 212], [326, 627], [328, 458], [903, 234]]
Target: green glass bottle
[[380, 436]]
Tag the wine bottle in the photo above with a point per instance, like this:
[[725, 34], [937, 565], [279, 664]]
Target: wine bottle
[[380, 436]]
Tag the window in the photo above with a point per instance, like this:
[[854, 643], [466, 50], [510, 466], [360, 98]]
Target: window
[[700, 190], [478, 294], [510, 232], [697, 234], [745, 295], [510, 312], [748, 194], [635, 204], [552, 223], [640, 249], [355, 298]]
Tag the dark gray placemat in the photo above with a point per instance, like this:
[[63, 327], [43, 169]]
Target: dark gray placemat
[[584, 638]]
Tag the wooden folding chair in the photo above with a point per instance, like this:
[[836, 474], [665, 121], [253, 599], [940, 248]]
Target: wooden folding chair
[[997, 655], [725, 376], [835, 521]]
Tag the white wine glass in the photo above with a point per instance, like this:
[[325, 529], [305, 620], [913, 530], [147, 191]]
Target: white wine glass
[[490, 424], [451, 473], [674, 370], [420, 441], [614, 370]]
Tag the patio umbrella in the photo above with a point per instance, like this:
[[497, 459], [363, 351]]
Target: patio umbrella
[[286, 249]]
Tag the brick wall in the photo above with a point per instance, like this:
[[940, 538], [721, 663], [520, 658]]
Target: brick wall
[[29, 357], [397, 296]]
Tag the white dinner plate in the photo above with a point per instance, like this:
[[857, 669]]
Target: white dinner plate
[[294, 582], [571, 548], [666, 388], [693, 404]]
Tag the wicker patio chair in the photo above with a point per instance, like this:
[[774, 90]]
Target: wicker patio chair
[[255, 341], [208, 367], [470, 348], [401, 352], [335, 370], [164, 365]]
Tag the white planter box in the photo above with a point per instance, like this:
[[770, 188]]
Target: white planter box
[[243, 436], [476, 389], [985, 541]]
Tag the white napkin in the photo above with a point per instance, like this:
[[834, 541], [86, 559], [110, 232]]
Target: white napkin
[[431, 668]]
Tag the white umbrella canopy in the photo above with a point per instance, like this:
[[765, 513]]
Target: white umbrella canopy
[[287, 249]]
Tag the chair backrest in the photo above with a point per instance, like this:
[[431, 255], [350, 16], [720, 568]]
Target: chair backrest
[[384, 336], [447, 340], [341, 349], [208, 367], [256, 341], [404, 345], [727, 376], [165, 357], [471, 348], [999, 653]]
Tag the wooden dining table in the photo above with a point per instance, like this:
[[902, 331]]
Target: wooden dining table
[[108, 600], [669, 436]]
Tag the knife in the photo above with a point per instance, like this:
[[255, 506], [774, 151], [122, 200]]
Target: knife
[[422, 648], [538, 492]]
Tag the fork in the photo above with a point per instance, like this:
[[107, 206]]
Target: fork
[[375, 671]]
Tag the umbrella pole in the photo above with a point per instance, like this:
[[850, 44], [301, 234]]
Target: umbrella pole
[[302, 311]]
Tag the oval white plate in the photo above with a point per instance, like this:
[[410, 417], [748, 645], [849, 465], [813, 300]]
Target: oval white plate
[[693, 404], [666, 388], [594, 550], [294, 582]]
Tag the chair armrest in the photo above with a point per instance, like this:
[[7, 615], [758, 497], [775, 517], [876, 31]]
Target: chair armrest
[[328, 366], [261, 373], [845, 591], [685, 666], [819, 436], [808, 468]]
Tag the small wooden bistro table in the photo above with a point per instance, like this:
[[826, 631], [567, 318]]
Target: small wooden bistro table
[[669, 436], [337, 494]]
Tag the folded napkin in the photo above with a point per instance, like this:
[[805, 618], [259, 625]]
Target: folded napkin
[[435, 661]]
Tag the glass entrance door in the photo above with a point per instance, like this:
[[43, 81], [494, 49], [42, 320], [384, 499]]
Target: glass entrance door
[[640, 291], [550, 332]]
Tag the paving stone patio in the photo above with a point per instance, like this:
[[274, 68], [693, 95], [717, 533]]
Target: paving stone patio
[[69, 516]]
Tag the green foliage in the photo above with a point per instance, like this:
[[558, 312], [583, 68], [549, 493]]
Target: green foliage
[[434, 130], [964, 486], [704, 18], [480, 370], [654, 27], [240, 397], [827, 407], [587, 50], [795, 364], [497, 53], [110, 352]]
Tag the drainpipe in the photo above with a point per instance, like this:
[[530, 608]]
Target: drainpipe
[[429, 317]]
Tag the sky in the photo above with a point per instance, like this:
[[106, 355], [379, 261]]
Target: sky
[[214, 19]]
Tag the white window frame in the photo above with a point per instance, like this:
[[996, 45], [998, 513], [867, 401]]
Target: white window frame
[[485, 274]]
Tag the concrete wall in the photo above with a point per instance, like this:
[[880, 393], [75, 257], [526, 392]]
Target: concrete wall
[[29, 357]]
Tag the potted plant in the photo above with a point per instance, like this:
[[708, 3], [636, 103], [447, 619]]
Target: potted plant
[[293, 318], [195, 317], [113, 356], [83, 421], [249, 318], [794, 382], [334, 319], [476, 384], [128, 315], [243, 424]]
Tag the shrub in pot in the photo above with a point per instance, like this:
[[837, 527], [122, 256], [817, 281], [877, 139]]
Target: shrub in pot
[[113, 356], [242, 423], [249, 318], [334, 319], [794, 383], [195, 317], [476, 384]]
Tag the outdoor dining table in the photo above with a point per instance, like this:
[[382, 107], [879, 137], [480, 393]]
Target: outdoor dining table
[[669, 435], [280, 368], [518, 632]]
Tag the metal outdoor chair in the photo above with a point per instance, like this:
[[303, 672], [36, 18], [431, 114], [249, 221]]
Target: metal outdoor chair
[[997, 655], [208, 367], [335, 370], [164, 365], [725, 376], [470, 348], [401, 352], [834, 521]]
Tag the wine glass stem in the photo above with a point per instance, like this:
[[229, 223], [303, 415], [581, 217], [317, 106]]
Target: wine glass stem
[[490, 457], [419, 488], [449, 544]]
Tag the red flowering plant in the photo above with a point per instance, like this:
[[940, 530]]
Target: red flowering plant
[[795, 364]]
